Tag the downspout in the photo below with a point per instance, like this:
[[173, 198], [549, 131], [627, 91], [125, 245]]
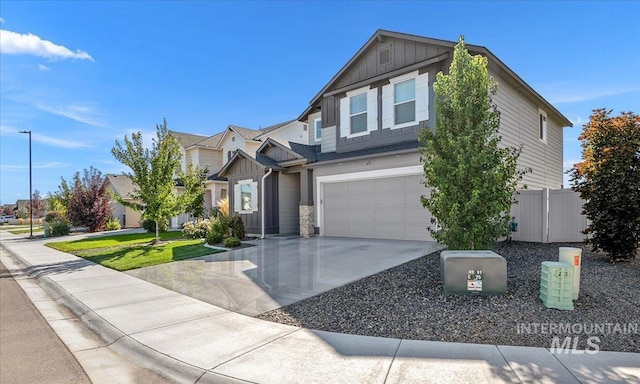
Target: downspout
[[263, 199]]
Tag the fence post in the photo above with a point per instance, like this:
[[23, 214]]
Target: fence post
[[545, 215]]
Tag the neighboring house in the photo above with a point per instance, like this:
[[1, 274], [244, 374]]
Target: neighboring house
[[360, 174], [122, 186]]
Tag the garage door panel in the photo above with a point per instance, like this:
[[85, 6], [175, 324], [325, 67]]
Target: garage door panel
[[361, 187], [385, 208]]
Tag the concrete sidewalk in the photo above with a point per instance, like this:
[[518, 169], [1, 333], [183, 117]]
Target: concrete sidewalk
[[191, 341]]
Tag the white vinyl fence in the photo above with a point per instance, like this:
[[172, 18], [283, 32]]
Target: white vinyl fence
[[549, 216]]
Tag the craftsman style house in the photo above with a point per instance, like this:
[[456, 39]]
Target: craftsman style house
[[358, 172]]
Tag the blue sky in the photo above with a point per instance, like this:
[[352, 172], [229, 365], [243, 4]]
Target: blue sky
[[80, 75]]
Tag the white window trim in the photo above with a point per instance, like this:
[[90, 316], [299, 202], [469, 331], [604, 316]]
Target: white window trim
[[545, 128], [366, 111], [377, 174], [372, 112], [315, 128], [238, 193], [388, 91]]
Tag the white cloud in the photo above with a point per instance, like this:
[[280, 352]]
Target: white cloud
[[81, 113], [562, 93], [46, 140], [13, 43], [1, 20], [43, 67], [49, 165]]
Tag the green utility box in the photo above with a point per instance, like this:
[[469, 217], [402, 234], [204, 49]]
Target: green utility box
[[473, 273], [556, 285]]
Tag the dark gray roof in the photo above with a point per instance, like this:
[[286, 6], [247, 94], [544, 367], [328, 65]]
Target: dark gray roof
[[216, 177], [313, 152], [187, 139]]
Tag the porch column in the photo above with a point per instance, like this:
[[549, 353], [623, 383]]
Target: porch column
[[307, 212]]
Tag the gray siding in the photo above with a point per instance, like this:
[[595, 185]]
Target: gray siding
[[244, 169], [328, 143], [278, 154], [289, 202], [329, 111]]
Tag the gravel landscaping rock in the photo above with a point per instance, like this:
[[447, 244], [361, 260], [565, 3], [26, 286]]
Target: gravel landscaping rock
[[408, 302]]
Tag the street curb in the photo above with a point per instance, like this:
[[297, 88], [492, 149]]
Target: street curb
[[120, 342]]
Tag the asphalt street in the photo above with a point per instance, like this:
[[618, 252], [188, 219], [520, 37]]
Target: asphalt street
[[30, 351]]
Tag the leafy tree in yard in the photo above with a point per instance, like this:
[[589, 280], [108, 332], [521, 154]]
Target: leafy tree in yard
[[89, 203], [608, 179], [472, 179], [153, 173], [38, 205], [193, 182]]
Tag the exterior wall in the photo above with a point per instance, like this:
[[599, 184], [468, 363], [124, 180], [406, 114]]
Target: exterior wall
[[293, 132], [307, 220], [231, 142], [519, 124], [278, 154], [329, 139], [404, 160], [244, 169], [211, 158], [216, 188], [288, 202]]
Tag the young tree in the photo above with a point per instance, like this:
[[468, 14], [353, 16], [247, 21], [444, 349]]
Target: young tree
[[89, 203], [193, 182], [472, 179], [608, 179], [37, 204], [154, 172]]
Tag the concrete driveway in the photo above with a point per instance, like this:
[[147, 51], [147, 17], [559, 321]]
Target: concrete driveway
[[279, 271]]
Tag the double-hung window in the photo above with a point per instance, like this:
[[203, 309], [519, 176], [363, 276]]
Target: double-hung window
[[245, 196], [404, 101], [358, 113]]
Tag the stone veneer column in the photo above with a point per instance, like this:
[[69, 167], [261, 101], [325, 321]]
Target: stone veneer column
[[307, 220]]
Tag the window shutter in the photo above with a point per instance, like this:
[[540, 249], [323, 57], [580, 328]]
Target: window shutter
[[422, 97], [387, 106], [254, 196], [372, 109], [344, 117], [236, 198]]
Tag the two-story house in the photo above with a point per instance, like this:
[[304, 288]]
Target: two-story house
[[361, 174]]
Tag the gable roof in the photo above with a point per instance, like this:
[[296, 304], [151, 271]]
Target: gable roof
[[285, 146], [122, 184], [187, 139], [380, 34]]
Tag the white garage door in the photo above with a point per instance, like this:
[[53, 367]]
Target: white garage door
[[382, 208]]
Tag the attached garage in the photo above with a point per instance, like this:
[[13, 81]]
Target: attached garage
[[375, 204]]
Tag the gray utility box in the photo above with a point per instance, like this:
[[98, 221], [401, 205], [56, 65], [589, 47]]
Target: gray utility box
[[473, 273]]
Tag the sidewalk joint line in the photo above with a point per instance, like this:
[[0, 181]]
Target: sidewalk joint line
[[509, 364], [386, 377], [564, 366]]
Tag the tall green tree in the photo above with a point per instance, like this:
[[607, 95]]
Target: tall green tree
[[154, 172], [471, 177], [193, 183], [608, 179]]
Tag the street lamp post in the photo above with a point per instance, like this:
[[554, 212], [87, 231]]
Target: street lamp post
[[30, 192]]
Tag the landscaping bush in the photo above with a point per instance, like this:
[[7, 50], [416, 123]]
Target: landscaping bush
[[112, 225], [150, 225], [59, 224], [221, 225], [232, 242], [196, 229], [237, 227], [214, 237]]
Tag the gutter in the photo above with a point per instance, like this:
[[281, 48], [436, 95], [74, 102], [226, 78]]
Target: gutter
[[364, 157], [263, 200]]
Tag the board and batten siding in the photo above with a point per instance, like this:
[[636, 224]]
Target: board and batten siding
[[519, 125], [278, 154], [244, 169], [289, 203]]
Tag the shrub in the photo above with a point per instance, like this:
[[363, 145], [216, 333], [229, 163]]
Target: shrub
[[112, 225], [214, 237], [196, 229], [150, 225], [232, 242], [237, 227], [223, 206], [221, 225]]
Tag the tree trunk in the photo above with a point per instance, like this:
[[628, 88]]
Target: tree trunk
[[157, 232]]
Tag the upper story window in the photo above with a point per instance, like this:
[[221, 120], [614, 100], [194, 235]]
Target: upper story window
[[542, 126], [358, 113], [404, 101], [318, 128]]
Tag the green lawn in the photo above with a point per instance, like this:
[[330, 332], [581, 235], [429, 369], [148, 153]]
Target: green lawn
[[20, 231], [131, 251]]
